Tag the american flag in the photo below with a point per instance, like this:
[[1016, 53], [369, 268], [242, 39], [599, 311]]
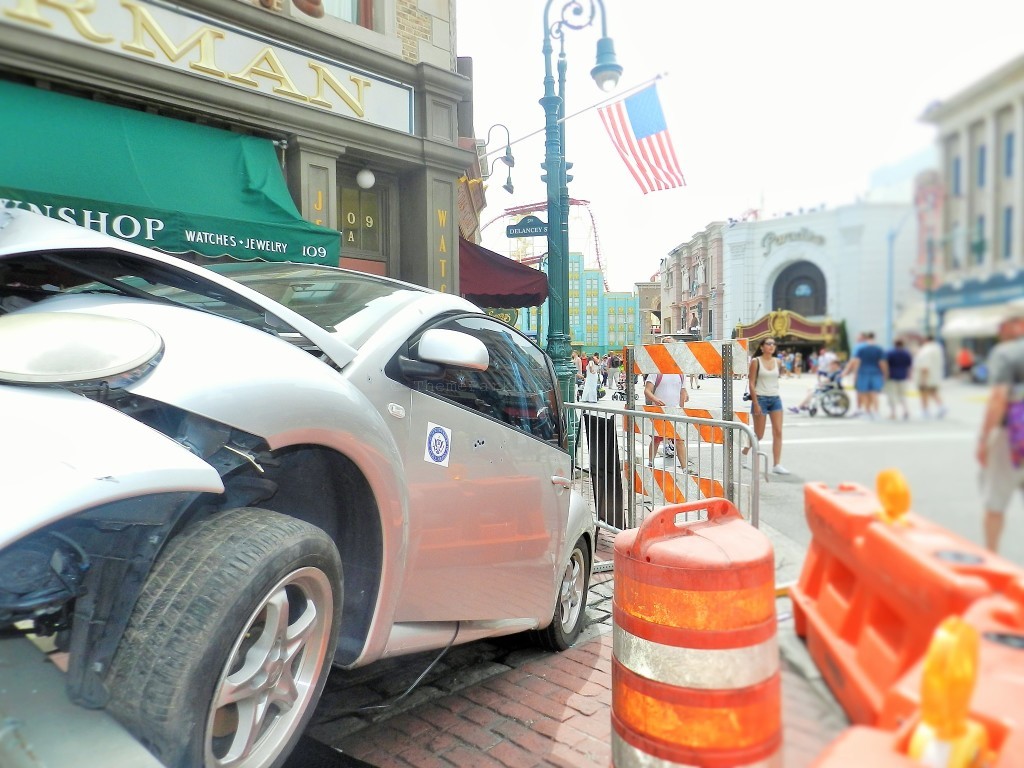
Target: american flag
[[637, 128]]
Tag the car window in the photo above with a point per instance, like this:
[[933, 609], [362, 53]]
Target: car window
[[518, 388]]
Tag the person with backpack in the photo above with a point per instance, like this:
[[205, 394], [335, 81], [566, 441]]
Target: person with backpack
[[668, 391], [1001, 441], [614, 369]]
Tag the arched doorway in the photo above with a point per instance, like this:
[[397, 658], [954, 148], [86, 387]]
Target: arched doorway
[[801, 288]]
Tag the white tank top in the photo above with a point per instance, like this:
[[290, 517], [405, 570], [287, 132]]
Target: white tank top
[[767, 379]]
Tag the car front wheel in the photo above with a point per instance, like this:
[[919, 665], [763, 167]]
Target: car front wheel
[[230, 643], [571, 604]]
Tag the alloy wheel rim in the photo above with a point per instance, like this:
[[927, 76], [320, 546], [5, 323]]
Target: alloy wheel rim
[[270, 677], [571, 592]]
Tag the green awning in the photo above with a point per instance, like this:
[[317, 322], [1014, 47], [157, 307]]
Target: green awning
[[163, 183]]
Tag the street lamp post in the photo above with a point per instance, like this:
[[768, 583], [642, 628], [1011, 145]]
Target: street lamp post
[[891, 278], [574, 15]]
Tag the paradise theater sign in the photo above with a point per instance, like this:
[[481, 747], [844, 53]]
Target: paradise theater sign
[[179, 39]]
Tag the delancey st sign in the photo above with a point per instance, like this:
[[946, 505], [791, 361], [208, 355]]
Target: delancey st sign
[[528, 226]]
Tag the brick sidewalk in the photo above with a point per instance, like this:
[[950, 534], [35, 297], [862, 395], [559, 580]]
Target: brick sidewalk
[[543, 709]]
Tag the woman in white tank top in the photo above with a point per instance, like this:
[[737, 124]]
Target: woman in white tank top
[[765, 403]]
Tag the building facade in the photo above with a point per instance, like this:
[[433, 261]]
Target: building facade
[[823, 264], [599, 320], [977, 248], [355, 102]]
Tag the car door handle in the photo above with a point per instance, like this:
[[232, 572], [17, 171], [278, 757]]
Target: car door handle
[[562, 481]]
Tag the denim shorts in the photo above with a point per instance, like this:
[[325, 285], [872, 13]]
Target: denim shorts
[[769, 403], [869, 381]]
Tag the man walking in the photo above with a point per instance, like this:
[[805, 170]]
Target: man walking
[[871, 369], [999, 447], [900, 362], [929, 369]]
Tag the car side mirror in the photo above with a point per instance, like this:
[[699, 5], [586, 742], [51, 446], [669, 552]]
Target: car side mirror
[[439, 345]]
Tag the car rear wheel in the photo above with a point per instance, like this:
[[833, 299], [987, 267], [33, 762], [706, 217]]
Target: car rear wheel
[[571, 605], [230, 643]]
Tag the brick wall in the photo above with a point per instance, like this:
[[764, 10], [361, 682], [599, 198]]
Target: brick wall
[[413, 26]]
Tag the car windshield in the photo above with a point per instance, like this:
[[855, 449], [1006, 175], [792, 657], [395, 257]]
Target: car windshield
[[351, 304]]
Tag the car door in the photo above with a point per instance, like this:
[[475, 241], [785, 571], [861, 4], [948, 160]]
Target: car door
[[486, 471]]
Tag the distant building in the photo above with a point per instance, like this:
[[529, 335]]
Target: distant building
[[599, 320], [825, 265], [650, 311], [977, 248]]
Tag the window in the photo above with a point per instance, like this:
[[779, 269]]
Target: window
[[956, 177], [1007, 231], [518, 388], [360, 221], [1008, 155], [981, 166], [978, 243], [355, 11]]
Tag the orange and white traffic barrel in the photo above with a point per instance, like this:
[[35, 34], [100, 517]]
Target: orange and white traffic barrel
[[695, 661]]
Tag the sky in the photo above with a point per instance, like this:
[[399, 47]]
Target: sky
[[773, 105]]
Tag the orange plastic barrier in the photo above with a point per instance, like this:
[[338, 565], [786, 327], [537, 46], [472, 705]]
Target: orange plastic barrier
[[872, 592], [695, 659], [997, 702], [861, 745]]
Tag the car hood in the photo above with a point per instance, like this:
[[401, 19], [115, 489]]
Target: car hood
[[223, 370], [52, 471]]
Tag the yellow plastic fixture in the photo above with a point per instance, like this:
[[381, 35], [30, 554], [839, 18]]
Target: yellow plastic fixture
[[894, 495], [946, 737]]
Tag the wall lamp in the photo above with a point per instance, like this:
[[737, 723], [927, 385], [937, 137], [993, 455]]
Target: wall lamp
[[365, 179], [507, 186], [507, 158]]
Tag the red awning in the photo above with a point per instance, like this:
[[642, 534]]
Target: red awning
[[491, 280]]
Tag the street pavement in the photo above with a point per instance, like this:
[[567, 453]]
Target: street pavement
[[506, 703]]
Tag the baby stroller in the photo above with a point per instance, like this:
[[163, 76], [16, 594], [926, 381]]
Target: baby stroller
[[831, 399], [620, 391]]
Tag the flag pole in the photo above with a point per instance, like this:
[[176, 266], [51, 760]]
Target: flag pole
[[622, 95]]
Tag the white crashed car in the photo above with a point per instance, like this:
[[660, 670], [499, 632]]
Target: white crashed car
[[219, 482]]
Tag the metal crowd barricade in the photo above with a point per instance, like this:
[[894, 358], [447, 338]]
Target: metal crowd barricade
[[631, 460], [615, 471]]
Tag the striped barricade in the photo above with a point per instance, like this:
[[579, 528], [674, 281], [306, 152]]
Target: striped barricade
[[665, 486], [690, 357]]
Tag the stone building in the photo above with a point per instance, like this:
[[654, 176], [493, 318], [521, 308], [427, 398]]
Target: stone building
[[292, 130], [977, 251]]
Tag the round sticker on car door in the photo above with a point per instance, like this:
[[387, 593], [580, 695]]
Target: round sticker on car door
[[439, 443]]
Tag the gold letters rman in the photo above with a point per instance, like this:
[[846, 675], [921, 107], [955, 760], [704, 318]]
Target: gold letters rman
[[265, 71]]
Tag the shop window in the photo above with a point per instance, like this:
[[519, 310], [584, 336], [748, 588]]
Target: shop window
[[361, 220]]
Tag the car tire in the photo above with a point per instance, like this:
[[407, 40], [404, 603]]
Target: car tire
[[230, 642], [571, 603]]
